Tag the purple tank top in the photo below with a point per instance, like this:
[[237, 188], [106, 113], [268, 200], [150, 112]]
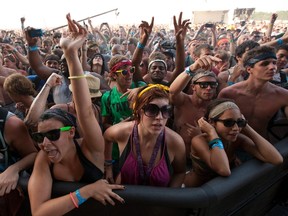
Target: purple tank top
[[134, 172]]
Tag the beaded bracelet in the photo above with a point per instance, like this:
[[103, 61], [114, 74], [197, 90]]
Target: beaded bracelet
[[81, 199]]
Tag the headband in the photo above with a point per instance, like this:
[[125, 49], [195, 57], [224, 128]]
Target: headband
[[201, 74], [221, 41], [157, 60], [259, 58], [120, 64], [220, 108]]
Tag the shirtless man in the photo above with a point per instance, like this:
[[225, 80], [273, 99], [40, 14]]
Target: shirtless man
[[189, 108], [257, 98]]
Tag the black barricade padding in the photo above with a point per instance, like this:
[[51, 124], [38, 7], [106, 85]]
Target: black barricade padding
[[252, 189]]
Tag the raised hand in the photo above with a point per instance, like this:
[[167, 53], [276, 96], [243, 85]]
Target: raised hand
[[181, 27]]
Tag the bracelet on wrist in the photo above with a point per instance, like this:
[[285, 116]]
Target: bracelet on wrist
[[81, 199], [279, 41], [214, 141], [189, 72], [73, 200], [230, 83], [33, 48], [140, 46], [108, 162], [77, 77]]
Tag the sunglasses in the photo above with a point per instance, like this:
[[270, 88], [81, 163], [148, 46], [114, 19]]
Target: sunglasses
[[230, 122], [152, 110], [52, 135], [205, 85], [124, 72]]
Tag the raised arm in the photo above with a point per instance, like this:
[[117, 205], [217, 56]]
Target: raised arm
[[35, 59], [93, 141], [39, 104], [145, 31], [181, 28], [271, 24]]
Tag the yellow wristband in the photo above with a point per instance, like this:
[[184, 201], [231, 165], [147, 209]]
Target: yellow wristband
[[77, 77]]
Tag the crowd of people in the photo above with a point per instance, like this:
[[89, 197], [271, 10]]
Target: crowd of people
[[110, 107]]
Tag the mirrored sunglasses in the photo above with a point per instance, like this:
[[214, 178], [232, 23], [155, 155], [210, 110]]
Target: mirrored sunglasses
[[52, 135], [231, 122], [204, 85], [152, 110]]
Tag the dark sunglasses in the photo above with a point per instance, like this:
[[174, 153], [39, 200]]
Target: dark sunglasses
[[152, 110], [230, 122], [52, 135], [124, 72], [204, 85]]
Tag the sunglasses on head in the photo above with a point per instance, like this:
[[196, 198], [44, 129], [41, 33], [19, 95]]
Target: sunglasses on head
[[204, 85], [124, 72], [152, 110], [52, 135], [230, 122]]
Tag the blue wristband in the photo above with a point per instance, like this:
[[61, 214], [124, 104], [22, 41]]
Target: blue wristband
[[279, 41], [189, 72], [140, 46], [81, 199], [216, 143], [230, 83], [33, 48], [219, 145]]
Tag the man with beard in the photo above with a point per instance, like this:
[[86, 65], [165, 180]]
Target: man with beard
[[188, 109]]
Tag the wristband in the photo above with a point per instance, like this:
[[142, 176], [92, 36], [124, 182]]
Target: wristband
[[189, 72], [73, 200], [77, 77], [214, 141], [279, 41], [108, 162], [81, 199], [140, 46], [230, 83], [14, 50], [33, 48]]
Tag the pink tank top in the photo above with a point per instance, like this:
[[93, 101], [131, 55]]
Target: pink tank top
[[134, 172]]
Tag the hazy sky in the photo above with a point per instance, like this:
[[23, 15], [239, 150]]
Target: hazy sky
[[51, 13]]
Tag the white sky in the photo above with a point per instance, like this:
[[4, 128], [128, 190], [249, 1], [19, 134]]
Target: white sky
[[51, 13]]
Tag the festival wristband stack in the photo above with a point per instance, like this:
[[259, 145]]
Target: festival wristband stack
[[216, 143]]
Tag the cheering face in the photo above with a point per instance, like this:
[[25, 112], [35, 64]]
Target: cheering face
[[229, 124], [124, 76], [155, 114], [52, 138], [157, 72]]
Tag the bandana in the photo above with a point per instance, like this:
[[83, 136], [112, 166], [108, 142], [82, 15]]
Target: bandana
[[119, 65], [259, 58]]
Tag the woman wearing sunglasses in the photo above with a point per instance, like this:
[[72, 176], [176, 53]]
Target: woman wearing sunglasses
[[224, 131], [149, 150], [61, 157]]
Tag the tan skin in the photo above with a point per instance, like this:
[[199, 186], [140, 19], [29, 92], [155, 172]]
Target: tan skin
[[148, 134], [23, 146], [219, 159], [62, 152], [259, 93], [185, 104]]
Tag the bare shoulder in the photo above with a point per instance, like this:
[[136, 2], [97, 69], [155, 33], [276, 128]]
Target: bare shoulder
[[232, 90], [172, 136], [119, 131]]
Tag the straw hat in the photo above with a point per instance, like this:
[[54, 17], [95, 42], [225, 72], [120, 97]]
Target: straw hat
[[93, 84]]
